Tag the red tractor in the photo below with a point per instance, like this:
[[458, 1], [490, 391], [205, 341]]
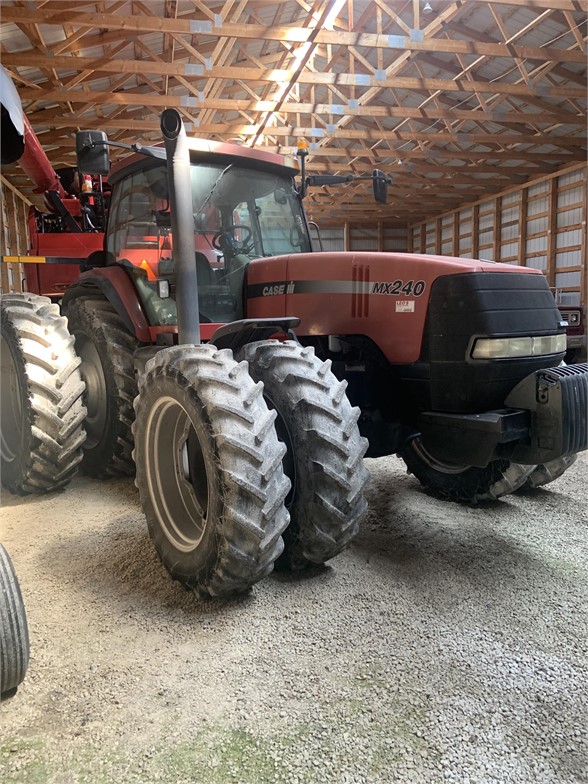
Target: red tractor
[[246, 391]]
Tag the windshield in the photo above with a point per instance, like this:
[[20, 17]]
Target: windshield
[[239, 214], [244, 211]]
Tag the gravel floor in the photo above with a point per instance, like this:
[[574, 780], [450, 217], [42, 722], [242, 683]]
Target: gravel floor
[[448, 644]]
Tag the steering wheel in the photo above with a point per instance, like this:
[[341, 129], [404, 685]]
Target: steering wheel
[[227, 242]]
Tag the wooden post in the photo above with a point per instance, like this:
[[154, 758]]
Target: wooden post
[[475, 231], [523, 204], [497, 228], [551, 231]]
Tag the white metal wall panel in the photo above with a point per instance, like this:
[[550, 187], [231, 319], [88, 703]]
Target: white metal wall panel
[[537, 262], [569, 197], [566, 238], [486, 238], [509, 251], [509, 232], [486, 221], [511, 198], [536, 244], [567, 179], [363, 239], [567, 279], [333, 239], [571, 217], [554, 243], [537, 206], [537, 188], [395, 239], [537, 226]]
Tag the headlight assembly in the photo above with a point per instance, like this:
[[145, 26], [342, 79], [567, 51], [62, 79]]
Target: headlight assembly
[[508, 348]]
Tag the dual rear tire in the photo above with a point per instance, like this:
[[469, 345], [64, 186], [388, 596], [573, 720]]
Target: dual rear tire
[[324, 459], [234, 474], [209, 470]]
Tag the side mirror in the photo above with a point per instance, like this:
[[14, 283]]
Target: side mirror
[[380, 186], [92, 152]]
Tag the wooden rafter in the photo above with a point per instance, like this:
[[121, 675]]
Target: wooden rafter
[[453, 104]]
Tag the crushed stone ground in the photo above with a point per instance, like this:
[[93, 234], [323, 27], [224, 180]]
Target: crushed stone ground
[[449, 643]]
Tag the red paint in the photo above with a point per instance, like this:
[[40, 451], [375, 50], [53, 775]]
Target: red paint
[[356, 312]]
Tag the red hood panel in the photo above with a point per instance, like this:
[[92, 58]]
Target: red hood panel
[[381, 295]]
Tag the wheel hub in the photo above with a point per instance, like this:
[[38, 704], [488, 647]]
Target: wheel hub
[[176, 474]]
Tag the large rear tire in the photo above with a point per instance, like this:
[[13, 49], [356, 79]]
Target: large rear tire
[[106, 349], [209, 470], [462, 482], [325, 453], [14, 631], [42, 412]]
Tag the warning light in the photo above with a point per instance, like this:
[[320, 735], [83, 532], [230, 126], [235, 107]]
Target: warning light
[[302, 147]]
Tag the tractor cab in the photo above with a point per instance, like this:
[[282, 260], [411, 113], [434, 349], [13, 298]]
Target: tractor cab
[[245, 206]]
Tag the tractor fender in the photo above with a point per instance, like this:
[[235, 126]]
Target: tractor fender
[[117, 287], [238, 333]]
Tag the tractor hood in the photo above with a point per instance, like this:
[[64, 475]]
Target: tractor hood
[[385, 296]]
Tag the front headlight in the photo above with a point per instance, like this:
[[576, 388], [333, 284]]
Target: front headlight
[[573, 318], [508, 348]]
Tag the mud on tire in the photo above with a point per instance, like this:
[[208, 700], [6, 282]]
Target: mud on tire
[[209, 469], [325, 450], [463, 483], [14, 632], [42, 411], [106, 349]]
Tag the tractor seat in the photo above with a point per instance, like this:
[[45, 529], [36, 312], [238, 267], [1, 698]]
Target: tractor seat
[[204, 271]]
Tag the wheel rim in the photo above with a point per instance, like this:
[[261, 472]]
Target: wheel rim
[[95, 398], [177, 475], [443, 466], [10, 405], [288, 462]]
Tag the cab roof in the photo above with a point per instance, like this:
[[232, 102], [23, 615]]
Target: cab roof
[[208, 150]]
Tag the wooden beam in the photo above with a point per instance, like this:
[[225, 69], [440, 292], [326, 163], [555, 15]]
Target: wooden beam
[[290, 34], [165, 101], [56, 119], [278, 76]]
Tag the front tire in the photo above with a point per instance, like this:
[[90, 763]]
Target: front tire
[[209, 470], [325, 450], [545, 473], [106, 349], [461, 482], [42, 411]]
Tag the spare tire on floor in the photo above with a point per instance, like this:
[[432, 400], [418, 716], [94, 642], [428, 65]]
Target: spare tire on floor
[[14, 632]]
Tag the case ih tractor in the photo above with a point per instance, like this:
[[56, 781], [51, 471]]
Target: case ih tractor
[[246, 391]]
